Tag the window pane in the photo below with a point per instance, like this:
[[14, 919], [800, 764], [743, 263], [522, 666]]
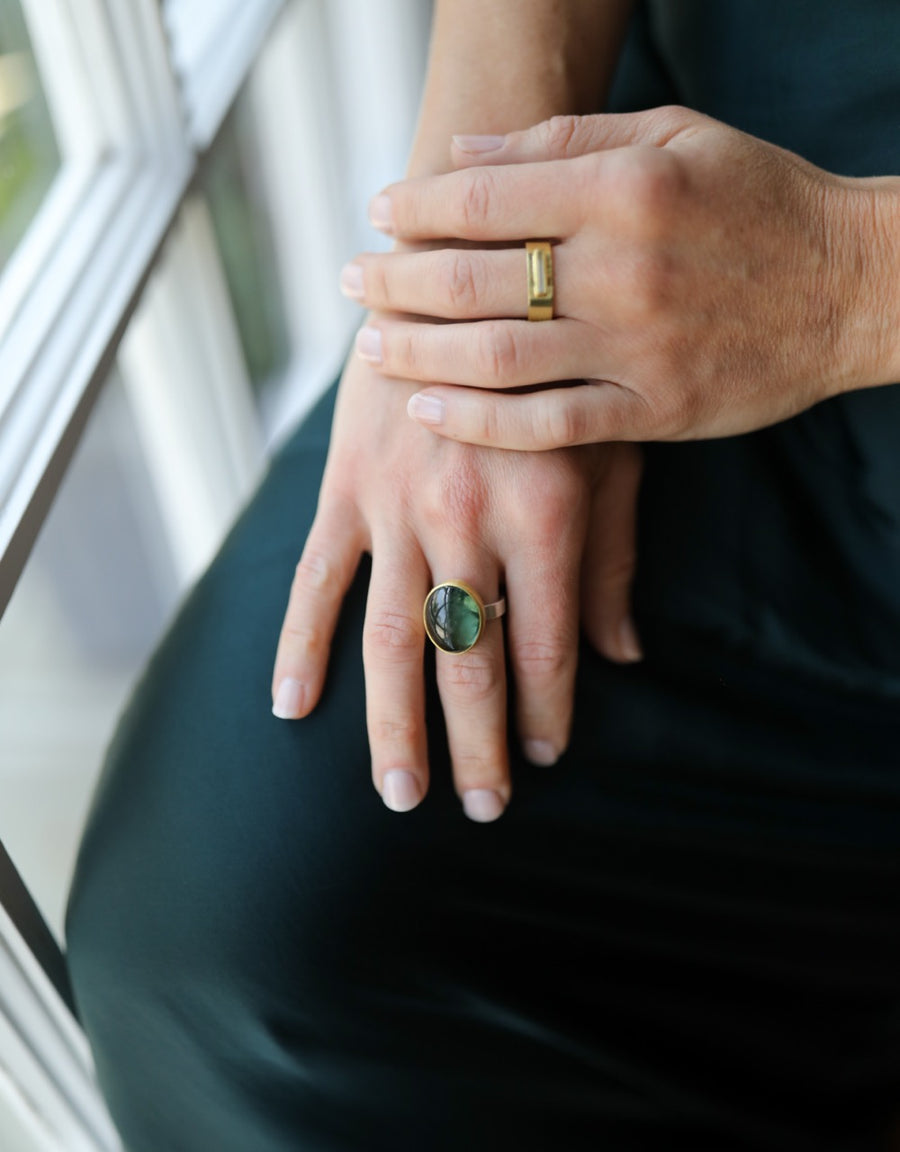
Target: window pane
[[29, 155], [90, 604], [243, 231]]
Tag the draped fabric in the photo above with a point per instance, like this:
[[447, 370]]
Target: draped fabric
[[784, 543], [686, 933]]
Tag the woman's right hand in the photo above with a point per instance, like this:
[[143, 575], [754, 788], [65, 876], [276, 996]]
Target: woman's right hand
[[430, 509]]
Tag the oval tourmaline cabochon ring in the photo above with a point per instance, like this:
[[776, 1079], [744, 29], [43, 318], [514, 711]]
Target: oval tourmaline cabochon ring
[[455, 616]]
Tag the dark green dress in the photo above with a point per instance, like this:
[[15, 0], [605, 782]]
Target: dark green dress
[[686, 934]]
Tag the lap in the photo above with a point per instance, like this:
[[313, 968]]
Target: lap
[[687, 927]]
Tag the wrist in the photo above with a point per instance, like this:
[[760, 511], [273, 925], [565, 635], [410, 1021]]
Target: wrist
[[872, 277], [506, 65], [889, 212]]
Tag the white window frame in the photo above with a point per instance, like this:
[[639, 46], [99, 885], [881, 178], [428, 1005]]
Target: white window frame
[[138, 90], [129, 150], [66, 321]]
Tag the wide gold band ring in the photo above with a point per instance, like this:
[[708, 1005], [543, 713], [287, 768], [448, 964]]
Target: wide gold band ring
[[539, 257], [455, 616]]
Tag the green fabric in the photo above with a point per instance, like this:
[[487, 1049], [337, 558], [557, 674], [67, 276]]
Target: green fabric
[[686, 928], [783, 544]]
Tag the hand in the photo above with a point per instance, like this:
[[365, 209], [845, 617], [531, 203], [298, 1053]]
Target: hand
[[428, 510], [707, 284]]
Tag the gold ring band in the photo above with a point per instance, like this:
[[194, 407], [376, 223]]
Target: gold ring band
[[539, 257], [455, 615]]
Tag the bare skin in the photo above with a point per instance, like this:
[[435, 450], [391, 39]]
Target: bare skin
[[428, 509], [708, 284]]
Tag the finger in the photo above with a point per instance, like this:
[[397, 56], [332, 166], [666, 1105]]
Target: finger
[[519, 202], [322, 576], [456, 284], [472, 687], [610, 557], [565, 137], [542, 633], [393, 646], [584, 413], [486, 353]]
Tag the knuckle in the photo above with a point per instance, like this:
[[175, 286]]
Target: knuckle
[[690, 409], [393, 633], [673, 120], [616, 571], [553, 496], [476, 200], [642, 416], [405, 353], [460, 499], [562, 134], [470, 675], [500, 354], [650, 183], [460, 283], [314, 572], [302, 639], [559, 424], [543, 659], [551, 518], [404, 731], [596, 172], [488, 426], [678, 413], [378, 283], [480, 766]]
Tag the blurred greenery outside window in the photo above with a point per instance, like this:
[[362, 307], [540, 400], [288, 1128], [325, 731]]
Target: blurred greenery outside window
[[29, 153], [240, 216]]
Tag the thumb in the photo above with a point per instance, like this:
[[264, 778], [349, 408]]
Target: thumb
[[610, 557], [563, 137]]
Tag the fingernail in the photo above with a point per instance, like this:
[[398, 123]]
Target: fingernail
[[540, 752], [352, 282], [381, 213], [368, 344], [628, 641], [428, 409], [400, 790], [476, 144], [482, 805], [289, 699]]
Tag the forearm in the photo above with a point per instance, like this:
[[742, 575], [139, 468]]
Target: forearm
[[498, 65]]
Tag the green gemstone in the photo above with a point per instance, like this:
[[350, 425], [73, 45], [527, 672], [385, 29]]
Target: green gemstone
[[452, 618]]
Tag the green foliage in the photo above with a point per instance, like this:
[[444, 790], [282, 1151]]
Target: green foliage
[[29, 155]]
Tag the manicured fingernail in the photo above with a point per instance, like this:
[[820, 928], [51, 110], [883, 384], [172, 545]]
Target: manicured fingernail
[[428, 409], [540, 752], [368, 344], [482, 805], [400, 790], [628, 641], [381, 213], [289, 699], [476, 144], [352, 282]]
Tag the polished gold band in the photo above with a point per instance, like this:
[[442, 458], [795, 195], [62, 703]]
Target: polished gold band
[[539, 256]]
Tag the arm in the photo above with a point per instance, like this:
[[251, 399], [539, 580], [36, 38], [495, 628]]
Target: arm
[[505, 64], [430, 510]]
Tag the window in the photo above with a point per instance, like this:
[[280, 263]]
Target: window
[[156, 337], [29, 153]]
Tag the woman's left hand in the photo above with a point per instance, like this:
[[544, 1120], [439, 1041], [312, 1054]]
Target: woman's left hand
[[707, 283]]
